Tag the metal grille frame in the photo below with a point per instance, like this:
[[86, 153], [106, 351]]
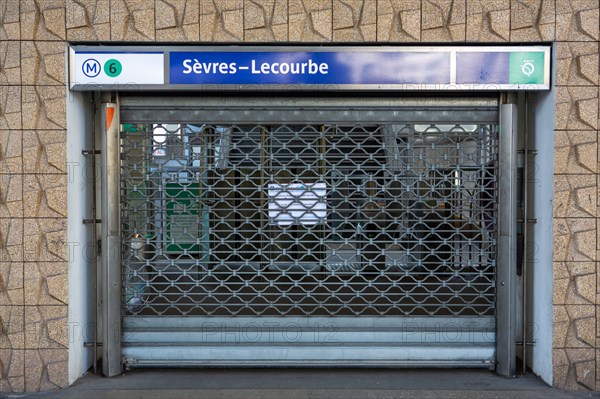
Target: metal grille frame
[[409, 230]]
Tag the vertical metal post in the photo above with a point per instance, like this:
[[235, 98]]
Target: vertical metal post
[[507, 245], [95, 231], [111, 242], [525, 184]]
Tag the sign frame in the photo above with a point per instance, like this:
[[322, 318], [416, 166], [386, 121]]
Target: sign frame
[[167, 86]]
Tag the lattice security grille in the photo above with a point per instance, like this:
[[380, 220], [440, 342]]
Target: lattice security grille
[[313, 219]]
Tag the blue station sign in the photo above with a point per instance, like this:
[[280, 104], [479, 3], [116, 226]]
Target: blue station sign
[[482, 68], [300, 68]]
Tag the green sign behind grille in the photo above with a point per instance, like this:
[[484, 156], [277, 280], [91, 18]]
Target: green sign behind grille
[[183, 226], [526, 68]]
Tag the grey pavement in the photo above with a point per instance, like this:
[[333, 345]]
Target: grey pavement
[[308, 383]]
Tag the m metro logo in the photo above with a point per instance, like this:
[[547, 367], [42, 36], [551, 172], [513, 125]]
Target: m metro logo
[[91, 68]]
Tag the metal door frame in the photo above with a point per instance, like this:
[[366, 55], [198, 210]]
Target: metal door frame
[[507, 243], [111, 240]]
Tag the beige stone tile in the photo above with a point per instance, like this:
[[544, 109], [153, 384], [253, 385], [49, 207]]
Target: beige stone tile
[[11, 283], [577, 63], [577, 20], [43, 20], [46, 151], [132, 20], [265, 20], [11, 240], [574, 283], [168, 13], [88, 20], [43, 63], [257, 13], [10, 26], [310, 21], [11, 196], [597, 327], [532, 20], [575, 239], [575, 196], [575, 152], [597, 369], [10, 63], [574, 369], [10, 107], [354, 21], [574, 326], [488, 20], [12, 370], [11, 327], [45, 195], [576, 108], [46, 283], [45, 107], [11, 160], [597, 287], [398, 20], [46, 327], [177, 20], [46, 369], [444, 20], [221, 21], [598, 199], [45, 240]]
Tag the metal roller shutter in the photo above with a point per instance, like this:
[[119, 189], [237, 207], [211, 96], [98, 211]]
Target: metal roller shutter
[[306, 232]]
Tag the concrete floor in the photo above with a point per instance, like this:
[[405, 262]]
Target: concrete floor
[[308, 383]]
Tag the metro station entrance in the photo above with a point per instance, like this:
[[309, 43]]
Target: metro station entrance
[[308, 232]]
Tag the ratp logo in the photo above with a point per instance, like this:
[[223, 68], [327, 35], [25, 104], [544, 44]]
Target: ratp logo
[[527, 67], [91, 68]]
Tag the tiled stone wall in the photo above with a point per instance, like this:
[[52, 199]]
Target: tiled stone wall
[[33, 185], [33, 172], [576, 196]]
